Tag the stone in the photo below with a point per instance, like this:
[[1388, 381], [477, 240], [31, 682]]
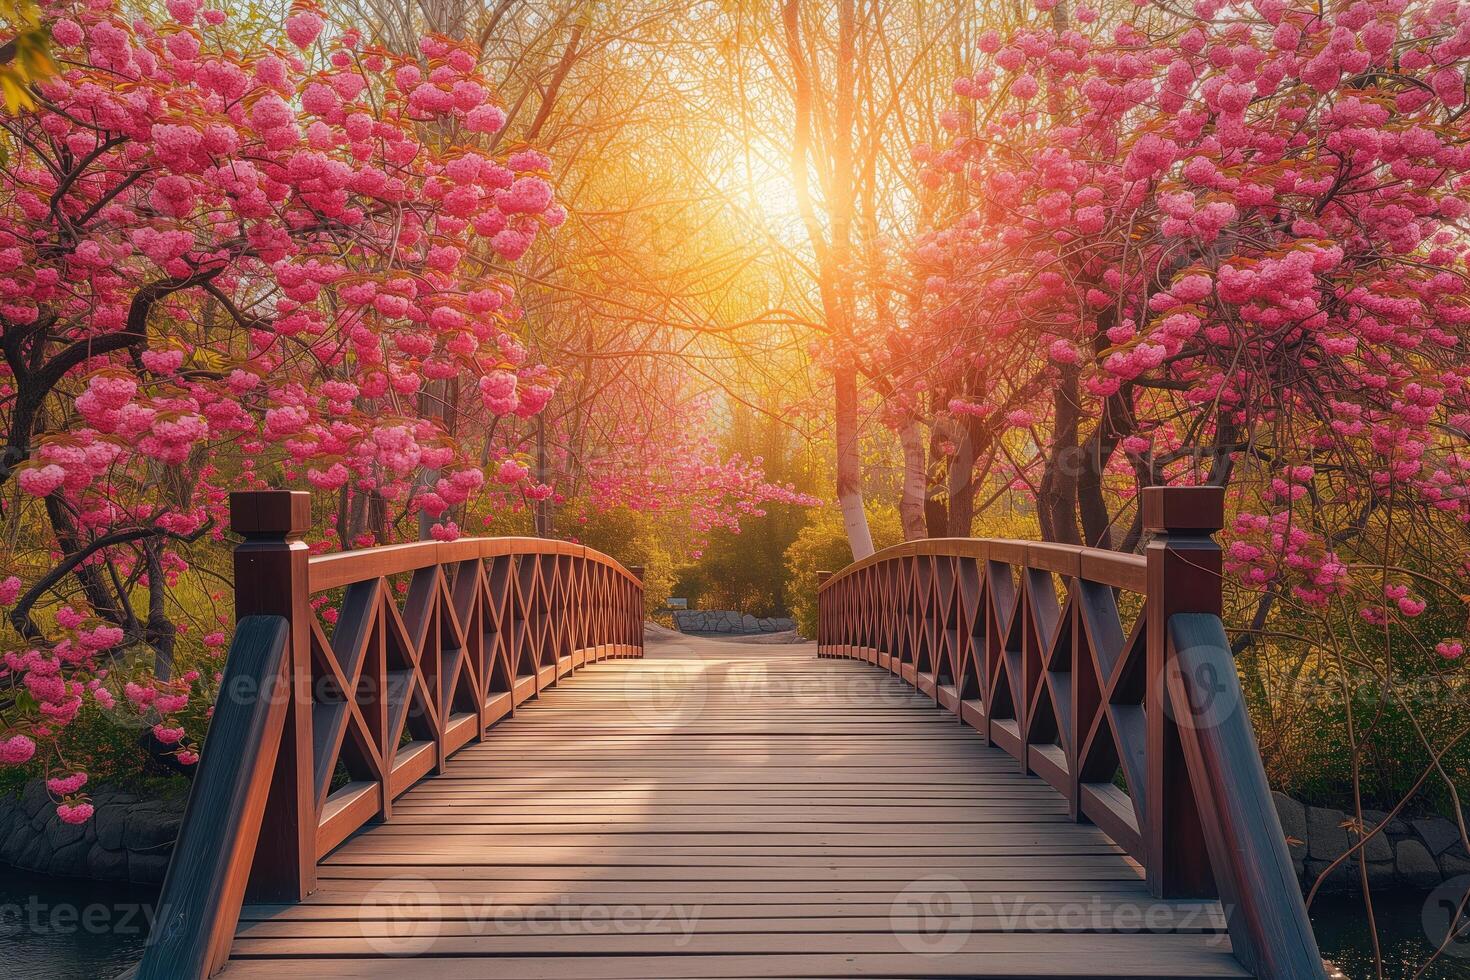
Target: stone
[[1437, 833], [749, 623], [35, 799], [1415, 864], [149, 829], [1396, 827], [1380, 873], [60, 834], [147, 869], [1454, 862], [1343, 877], [13, 843], [107, 865], [1377, 848], [1326, 836], [69, 861], [1293, 817], [33, 855], [34, 839], [111, 822]]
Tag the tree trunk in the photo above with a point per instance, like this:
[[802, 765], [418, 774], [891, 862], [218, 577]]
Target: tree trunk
[[849, 464], [543, 507], [911, 504], [834, 253], [962, 482], [1058, 490]]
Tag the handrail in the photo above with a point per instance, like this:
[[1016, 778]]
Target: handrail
[[1024, 641], [340, 568], [433, 643], [1269, 928], [211, 858]]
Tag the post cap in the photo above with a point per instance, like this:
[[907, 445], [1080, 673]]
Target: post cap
[[637, 571], [1200, 510], [823, 576], [262, 513]]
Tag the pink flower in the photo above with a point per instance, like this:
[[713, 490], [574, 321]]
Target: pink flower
[[303, 28], [511, 471], [1191, 289], [1450, 649], [66, 785], [41, 481], [16, 750], [74, 814], [1064, 352], [167, 735], [67, 33], [526, 195], [9, 590]]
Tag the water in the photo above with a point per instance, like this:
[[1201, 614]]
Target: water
[[1403, 935], [60, 929]]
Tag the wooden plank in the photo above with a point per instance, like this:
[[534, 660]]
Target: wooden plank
[[346, 810], [750, 815], [1076, 964], [410, 765]]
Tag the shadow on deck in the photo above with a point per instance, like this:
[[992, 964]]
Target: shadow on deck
[[692, 815]]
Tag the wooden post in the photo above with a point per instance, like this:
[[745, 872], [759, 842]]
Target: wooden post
[[822, 614], [635, 613], [1184, 569], [271, 579]]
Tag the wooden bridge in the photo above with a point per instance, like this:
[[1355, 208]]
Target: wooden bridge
[[1001, 759]]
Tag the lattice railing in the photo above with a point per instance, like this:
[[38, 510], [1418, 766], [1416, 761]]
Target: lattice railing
[[389, 660], [1109, 676]]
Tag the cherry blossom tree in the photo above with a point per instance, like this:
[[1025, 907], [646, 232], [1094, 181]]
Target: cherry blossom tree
[[1232, 238], [1226, 244], [223, 269]]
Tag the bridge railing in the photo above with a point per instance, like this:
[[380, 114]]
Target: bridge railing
[[1097, 671], [350, 677]]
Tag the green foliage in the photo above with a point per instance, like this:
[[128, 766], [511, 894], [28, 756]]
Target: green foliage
[[28, 59], [1314, 686], [822, 546], [633, 538], [744, 571]]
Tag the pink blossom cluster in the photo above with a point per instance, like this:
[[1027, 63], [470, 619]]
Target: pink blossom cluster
[[230, 270], [1234, 238]]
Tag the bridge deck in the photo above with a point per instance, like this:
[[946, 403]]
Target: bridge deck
[[724, 810]]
